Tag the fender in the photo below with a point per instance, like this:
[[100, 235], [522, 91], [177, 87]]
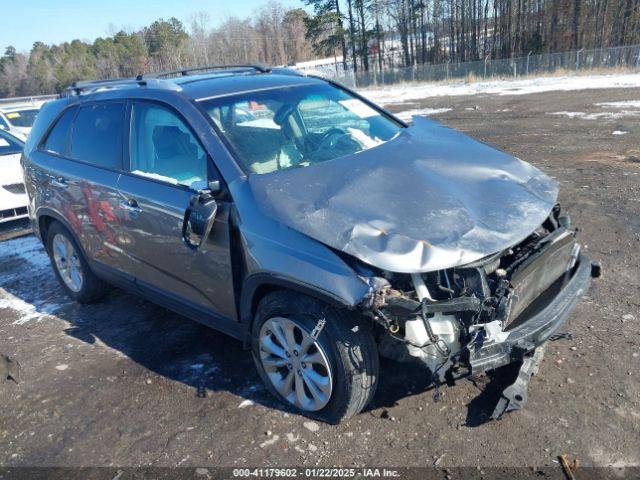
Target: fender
[[256, 282]]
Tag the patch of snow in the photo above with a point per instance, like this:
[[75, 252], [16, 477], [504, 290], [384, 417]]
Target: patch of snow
[[629, 108], [28, 248], [619, 132], [27, 311], [408, 92], [311, 426], [155, 176], [569, 114], [292, 438], [246, 403], [599, 115], [269, 442], [408, 114], [29, 298], [626, 104], [62, 367]]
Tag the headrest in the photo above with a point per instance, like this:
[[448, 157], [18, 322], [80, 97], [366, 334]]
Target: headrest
[[283, 112], [167, 132]]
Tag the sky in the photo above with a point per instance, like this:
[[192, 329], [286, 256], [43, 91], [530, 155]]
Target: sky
[[57, 21]]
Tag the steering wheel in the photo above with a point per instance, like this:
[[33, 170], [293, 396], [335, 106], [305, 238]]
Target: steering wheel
[[331, 137]]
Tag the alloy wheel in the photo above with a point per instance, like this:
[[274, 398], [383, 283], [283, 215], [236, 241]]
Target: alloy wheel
[[67, 263], [295, 363]]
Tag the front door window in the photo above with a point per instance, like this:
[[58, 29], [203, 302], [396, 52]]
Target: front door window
[[164, 148]]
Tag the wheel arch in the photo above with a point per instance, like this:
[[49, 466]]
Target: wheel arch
[[257, 286], [45, 218]]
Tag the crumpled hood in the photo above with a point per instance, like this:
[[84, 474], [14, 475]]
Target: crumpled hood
[[431, 198]]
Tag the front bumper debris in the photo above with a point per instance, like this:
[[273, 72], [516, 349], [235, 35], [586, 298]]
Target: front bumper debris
[[515, 395], [523, 339]]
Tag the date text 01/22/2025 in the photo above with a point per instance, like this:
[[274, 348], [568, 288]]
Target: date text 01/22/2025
[[314, 472]]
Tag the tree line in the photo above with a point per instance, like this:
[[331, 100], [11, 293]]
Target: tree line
[[359, 34], [274, 36], [408, 32]]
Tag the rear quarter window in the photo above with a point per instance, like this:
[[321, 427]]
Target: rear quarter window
[[58, 139], [97, 135]]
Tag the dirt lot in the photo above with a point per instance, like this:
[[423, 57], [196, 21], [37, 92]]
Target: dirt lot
[[127, 383]]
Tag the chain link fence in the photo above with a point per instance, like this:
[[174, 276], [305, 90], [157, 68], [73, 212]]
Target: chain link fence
[[616, 58]]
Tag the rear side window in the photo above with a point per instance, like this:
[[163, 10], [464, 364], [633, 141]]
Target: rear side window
[[96, 137], [58, 139]]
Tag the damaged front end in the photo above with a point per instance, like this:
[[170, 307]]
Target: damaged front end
[[483, 315]]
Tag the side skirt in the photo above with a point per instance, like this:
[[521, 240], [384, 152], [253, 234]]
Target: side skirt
[[169, 300]]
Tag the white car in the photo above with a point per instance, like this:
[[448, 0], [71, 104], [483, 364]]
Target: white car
[[18, 114], [13, 197]]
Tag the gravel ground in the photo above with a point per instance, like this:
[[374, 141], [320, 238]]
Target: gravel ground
[[127, 383]]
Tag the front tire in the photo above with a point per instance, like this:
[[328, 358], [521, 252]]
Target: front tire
[[71, 268], [329, 378]]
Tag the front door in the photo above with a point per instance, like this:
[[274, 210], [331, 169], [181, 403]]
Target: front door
[[168, 165]]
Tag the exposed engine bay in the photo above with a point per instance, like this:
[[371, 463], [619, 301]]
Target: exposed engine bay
[[449, 318]]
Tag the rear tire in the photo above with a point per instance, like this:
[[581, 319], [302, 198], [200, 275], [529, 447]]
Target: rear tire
[[71, 268], [345, 344]]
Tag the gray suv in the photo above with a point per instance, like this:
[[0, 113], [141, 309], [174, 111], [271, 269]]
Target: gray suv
[[296, 216]]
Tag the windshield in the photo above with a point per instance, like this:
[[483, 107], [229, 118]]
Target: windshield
[[22, 118], [282, 128]]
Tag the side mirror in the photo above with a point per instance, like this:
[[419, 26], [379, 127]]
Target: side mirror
[[198, 220]]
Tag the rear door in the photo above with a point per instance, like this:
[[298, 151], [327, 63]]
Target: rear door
[[80, 161], [167, 167]]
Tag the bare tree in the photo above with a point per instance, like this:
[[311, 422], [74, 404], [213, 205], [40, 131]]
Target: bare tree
[[200, 37]]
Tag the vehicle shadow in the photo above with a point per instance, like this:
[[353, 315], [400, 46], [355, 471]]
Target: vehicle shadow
[[172, 346], [400, 380], [480, 408]]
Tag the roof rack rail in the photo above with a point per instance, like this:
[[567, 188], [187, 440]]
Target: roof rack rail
[[186, 71], [79, 87]]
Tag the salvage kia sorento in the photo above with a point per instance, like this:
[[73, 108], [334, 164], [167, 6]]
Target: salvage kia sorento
[[293, 214]]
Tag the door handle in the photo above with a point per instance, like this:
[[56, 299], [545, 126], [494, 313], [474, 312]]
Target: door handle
[[131, 206], [59, 183]]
